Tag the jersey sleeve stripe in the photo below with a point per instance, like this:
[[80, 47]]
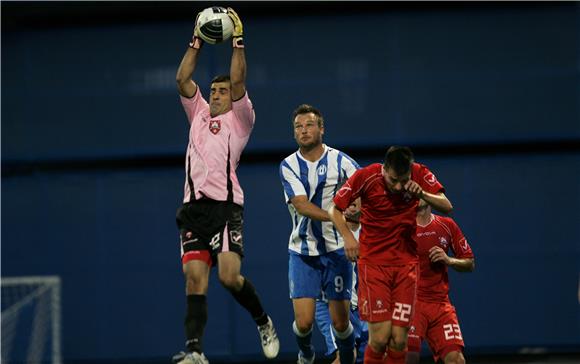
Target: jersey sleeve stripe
[[303, 174], [352, 161], [286, 173]]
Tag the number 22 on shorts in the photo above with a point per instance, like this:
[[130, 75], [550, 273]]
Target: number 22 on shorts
[[402, 311]]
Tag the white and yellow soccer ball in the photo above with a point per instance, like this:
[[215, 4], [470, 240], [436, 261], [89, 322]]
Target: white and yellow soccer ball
[[214, 25]]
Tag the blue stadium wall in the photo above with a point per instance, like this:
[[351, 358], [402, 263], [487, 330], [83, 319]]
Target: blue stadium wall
[[93, 137]]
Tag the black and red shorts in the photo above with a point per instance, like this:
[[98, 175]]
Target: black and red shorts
[[207, 228]]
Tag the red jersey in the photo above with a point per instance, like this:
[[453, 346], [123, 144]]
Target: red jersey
[[388, 219], [433, 284]]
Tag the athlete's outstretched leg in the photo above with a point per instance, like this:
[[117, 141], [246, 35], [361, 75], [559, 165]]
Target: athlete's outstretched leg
[[244, 292]]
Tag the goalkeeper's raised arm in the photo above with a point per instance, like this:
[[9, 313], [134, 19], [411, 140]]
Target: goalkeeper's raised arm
[[185, 85], [238, 66]]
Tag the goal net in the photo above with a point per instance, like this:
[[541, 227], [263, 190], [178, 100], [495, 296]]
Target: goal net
[[30, 320]]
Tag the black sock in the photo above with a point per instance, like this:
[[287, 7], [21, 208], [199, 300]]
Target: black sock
[[195, 320], [248, 298]]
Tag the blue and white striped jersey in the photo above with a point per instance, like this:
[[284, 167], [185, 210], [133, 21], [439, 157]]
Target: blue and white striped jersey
[[318, 181]]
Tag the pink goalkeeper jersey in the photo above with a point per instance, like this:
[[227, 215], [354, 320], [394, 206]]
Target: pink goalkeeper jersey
[[214, 149]]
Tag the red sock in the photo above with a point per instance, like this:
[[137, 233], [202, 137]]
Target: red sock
[[395, 357], [372, 357]]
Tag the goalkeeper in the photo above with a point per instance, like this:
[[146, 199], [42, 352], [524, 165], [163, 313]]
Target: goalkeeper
[[210, 219]]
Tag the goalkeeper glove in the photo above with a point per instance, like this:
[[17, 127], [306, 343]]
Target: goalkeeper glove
[[237, 36], [196, 41]]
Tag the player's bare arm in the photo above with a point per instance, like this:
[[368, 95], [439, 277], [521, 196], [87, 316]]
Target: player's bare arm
[[351, 245], [185, 84], [238, 64], [438, 201], [436, 254], [238, 74], [308, 209]]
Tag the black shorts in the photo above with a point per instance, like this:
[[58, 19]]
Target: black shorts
[[209, 225]]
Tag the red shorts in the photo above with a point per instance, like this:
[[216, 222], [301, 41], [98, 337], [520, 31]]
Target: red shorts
[[436, 322], [387, 293]]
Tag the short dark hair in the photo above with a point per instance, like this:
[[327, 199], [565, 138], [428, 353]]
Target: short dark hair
[[399, 159], [305, 109], [221, 78]]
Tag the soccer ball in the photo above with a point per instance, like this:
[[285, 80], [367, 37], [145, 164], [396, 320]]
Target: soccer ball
[[214, 25]]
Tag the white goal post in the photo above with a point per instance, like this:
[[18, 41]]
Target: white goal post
[[31, 320]]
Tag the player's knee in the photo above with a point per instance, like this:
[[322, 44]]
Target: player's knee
[[340, 326], [304, 325], [454, 357], [231, 281], [194, 281], [398, 343], [378, 343]]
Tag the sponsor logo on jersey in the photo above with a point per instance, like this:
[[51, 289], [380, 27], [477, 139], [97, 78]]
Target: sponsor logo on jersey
[[215, 126], [379, 304]]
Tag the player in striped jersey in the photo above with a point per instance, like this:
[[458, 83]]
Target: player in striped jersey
[[317, 263], [323, 321]]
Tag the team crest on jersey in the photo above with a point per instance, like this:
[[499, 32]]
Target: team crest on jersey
[[443, 242], [322, 170], [215, 126], [430, 179]]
